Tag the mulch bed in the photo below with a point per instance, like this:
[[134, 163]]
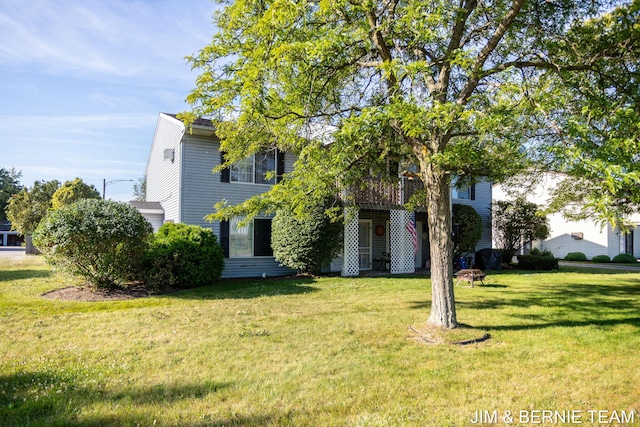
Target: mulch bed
[[86, 293]]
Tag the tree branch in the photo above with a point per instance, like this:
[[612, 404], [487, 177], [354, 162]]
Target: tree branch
[[454, 43], [381, 46], [484, 53], [535, 64]]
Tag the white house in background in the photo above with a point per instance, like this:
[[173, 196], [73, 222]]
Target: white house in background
[[577, 236], [182, 188]]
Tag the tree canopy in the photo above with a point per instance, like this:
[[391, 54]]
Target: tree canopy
[[515, 223], [27, 208], [9, 185], [466, 88], [72, 191]]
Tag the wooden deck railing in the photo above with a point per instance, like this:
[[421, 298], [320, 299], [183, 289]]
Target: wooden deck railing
[[375, 192]]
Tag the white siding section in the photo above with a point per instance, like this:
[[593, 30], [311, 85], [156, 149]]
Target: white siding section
[[156, 220], [596, 240], [163, 174]]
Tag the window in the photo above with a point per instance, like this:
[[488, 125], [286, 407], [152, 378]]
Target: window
[[240, 238], [265, 167], [462, 191], [251, 239], [242, 171]]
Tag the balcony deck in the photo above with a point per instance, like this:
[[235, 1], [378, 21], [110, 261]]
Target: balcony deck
[[376, 193]]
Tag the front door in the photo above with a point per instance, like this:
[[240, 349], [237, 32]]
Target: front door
[[628, 243], [364, 244]]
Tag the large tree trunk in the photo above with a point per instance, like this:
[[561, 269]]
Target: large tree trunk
[[443, 308]]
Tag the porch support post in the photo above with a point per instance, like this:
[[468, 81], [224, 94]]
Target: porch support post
[[350, 251], [400, 244]]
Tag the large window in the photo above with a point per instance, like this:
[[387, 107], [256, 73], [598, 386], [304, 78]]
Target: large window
[[240, 238], [250, 239], [260, 168]]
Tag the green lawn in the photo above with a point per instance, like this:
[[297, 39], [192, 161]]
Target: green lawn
[[318, 352]]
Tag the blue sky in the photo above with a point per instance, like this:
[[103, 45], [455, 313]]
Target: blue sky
[[82, 84]]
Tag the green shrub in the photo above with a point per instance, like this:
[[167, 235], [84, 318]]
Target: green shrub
[[306, 243], [184, 256], [537, 262], [536, 251], [625, 259], [575, 256], [100, 240], [468, 229], [601, 258]]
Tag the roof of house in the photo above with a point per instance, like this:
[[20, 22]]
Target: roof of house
[[198, 122], [147, 206]]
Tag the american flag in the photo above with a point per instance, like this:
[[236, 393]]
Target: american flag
[[411, 228]]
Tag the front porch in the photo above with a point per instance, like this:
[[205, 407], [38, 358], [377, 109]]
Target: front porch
[[387, 241], [379, 234]]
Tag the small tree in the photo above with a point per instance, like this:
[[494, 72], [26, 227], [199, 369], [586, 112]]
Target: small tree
[[9, 185], [27, 208], [516, 223], [140, 189], [72, 191], [305, 243], [100, 240], [467, 229], [186, 256]]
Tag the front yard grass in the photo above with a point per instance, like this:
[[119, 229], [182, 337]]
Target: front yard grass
[[317, 352]]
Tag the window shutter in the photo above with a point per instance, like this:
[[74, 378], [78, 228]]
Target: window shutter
[[262, 237], [224, 237], [472, 192], [279, 165], [225, 174]]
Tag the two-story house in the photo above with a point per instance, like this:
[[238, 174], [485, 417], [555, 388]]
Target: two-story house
[[181, 187]]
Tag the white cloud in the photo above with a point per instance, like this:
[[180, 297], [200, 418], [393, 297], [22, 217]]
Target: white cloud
[[94, 121], [107, 38]]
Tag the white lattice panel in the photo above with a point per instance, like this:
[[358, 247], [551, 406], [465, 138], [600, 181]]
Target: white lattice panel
[[400, 244], [351, 257]]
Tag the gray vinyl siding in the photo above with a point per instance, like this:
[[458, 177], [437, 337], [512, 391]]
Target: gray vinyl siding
[[163, 176], [202, 189]]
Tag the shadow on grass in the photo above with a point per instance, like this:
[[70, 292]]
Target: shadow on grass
[[634, 321], [21, 274], [570, 305], [249, 288], [46, 399], [583, 297]]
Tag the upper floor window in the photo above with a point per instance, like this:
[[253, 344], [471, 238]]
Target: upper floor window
[[462, 191], [265, 167]]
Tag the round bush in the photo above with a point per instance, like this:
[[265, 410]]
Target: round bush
[[625, 259], [184, 256], [601, 258], [305, 244], [100, 240], [468, 227], [575, 256]]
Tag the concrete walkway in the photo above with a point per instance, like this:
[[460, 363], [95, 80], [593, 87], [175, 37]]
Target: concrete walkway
[[12, 252], [612, 266]]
